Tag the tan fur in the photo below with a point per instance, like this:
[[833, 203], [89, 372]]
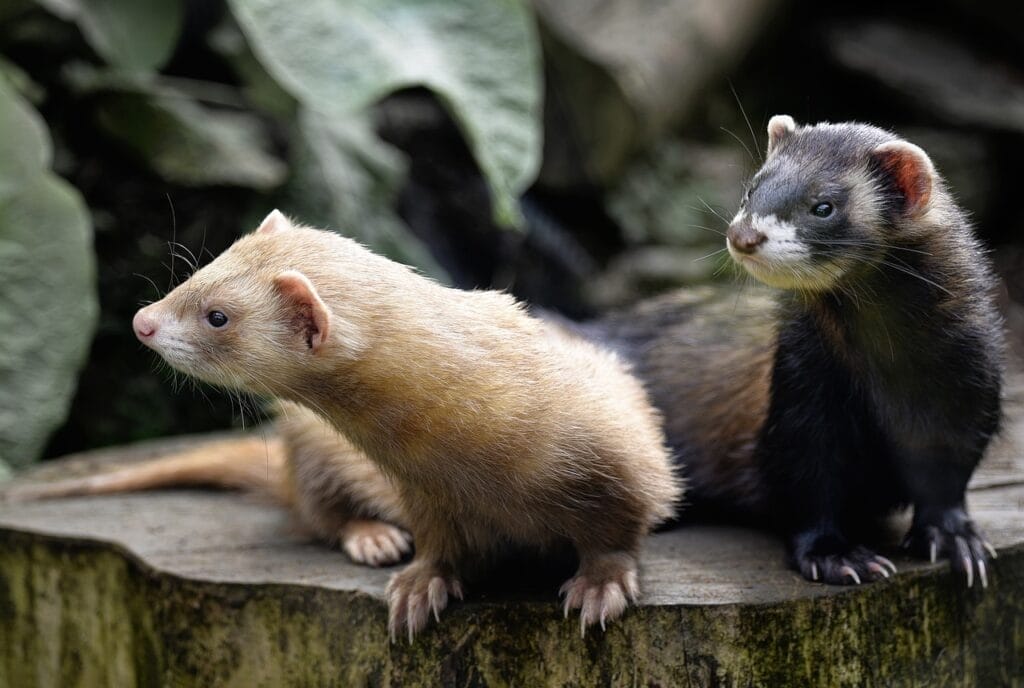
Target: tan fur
[[332, 488], [331, 481], [249, 463], [718, 410], [493, 427]]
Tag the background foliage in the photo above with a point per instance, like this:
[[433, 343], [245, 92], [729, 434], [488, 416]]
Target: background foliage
[[578, 154]]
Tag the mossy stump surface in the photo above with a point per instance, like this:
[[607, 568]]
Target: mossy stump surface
[[190, 587]]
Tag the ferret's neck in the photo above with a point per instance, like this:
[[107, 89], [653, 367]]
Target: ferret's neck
[[405, 392], [899, 311]]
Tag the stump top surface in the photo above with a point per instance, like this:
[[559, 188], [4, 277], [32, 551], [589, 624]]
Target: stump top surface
[[229, 537]]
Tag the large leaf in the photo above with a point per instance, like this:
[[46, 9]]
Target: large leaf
[[24, 144], [345, 178], [188, 143], [134, 35], [479, 56], [626, 72], [48, 302]]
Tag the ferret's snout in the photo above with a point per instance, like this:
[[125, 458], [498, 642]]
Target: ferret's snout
[[144, 325], [744, 238]]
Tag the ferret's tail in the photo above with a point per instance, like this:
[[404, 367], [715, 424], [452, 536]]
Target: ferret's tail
[[254, 464]]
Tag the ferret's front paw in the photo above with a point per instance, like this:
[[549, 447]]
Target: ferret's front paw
[[374, 543], [602, 588], [415, 592], [951, 533], [829, 558]]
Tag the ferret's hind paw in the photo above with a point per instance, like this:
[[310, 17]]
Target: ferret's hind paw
[[374, 543], [854, 566], [952, 534], [415, 593], [601, 590]]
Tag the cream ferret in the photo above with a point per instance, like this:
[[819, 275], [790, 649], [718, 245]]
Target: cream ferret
[[493, 428]]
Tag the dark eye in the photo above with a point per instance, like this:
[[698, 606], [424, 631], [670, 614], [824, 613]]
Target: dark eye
[[216, 318], [822, 210]]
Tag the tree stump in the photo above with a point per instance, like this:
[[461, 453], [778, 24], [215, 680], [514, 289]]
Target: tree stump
[[192, 587]]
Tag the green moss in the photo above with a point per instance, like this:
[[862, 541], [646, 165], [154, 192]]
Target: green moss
[[79, 614]]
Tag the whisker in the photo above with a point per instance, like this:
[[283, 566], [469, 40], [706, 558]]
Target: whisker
[[174, 238], [713, 253], [917, 275], [740, 141], [865, 244], [712, 210], [709, 229], [148, 279], [746, 119], [899, 267], [202, 246], [190, 259]]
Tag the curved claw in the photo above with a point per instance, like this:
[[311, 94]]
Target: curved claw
[[969, 570], [416, 594], [886, 563], [990, 549], [875, 567], [850, 573], [982, 574], [601, 594]]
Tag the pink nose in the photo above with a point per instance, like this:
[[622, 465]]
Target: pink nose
[[144, 325]]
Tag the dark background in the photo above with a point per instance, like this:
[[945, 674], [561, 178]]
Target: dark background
[[947, 75]]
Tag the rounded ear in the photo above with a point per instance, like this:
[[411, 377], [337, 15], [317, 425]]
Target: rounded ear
[[911, 172], [274, 222], [308, 312], [779, 127]]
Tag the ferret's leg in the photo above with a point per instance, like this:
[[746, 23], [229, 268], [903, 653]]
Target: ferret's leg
[[820, 552], [812, 436], [604, 585], [374, 543], [337, 492], [366, 541], [809, 492], [941, 525], [337, 512], [423, 587]]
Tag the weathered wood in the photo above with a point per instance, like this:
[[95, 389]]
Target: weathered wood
[[204, 588]]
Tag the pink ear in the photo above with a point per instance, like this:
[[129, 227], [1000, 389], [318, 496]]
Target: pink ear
[[911, 172], [308, 310], [274, 222], [779, 127]]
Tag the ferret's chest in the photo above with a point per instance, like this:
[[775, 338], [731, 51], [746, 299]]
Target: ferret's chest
[[910, 378]]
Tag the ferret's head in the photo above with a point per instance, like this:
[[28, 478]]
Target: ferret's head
[[828, 202], [252, 319]]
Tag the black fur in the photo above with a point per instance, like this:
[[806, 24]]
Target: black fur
[[884, 391]]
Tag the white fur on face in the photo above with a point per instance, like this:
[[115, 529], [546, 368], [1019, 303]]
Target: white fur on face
[[783, 260], [782, 244]]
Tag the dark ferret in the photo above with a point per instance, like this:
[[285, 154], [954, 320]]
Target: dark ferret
[[873, 381]]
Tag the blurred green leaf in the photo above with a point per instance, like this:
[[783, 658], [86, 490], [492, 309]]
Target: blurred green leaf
[[679, 193], [260, 89], [479, 56], [345, 178], [25, 149], [134, 35], [191, 144], [21, 82], [48, 304]]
